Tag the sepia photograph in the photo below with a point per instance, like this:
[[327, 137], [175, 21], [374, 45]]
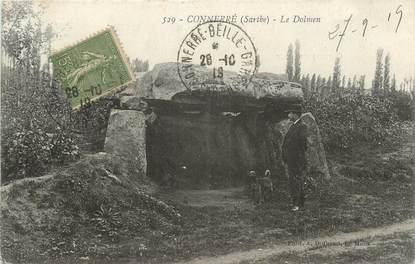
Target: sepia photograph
[[207, 132]]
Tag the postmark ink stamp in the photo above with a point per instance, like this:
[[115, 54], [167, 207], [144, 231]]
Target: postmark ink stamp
[[92, 68], [216, 56]]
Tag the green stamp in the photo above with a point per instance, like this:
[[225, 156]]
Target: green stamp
[[91, 68]]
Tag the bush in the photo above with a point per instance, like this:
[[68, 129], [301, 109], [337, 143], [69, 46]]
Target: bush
[[37, 131], [36, 126], [27, 153], [43, 130], [62, 146], [91, 121], [403, 105], [353, 118]]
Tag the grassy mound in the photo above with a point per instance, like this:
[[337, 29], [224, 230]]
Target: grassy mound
[[82, 210]]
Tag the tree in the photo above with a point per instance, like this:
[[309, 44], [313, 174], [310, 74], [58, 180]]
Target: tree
[[257, 62], [323, 86], [349, 84], [378, 80], [354, 83], [146, 65], [336, 75], [313, 83], [323, 81], [306, 85], [303, 81], [139, 65], [297, 62], [386, 75], [329, 83], [362, 82], [289, 70], [405, 84], [343, 81], [307, 81], [393, 84], [318, 83]]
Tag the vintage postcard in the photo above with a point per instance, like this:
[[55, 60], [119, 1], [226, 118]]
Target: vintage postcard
[[207, 131]]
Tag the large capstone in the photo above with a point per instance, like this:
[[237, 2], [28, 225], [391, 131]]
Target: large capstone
[[163, 83]]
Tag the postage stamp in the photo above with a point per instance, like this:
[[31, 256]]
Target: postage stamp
[[216, 56], [92, 68]]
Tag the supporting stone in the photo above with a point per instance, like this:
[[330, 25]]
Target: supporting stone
[[315, 155], [126, 136]]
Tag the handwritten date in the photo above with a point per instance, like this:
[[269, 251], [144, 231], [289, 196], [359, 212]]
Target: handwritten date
[[340, 32]]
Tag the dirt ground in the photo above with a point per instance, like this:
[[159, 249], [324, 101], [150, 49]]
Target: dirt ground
[[224, 198]]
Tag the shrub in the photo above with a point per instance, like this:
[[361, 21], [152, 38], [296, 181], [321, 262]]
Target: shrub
[[36, 126], [63, 147], [91, 121], [28, 152], [43, 130], [352, 118], [403, 105]]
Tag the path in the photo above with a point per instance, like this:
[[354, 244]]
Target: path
[[304, 245], [228, 198]]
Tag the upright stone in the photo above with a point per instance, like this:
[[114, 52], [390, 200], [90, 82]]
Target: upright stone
[[126, 136], [315, 154]]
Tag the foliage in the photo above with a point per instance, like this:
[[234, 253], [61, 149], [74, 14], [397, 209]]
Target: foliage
[[386, 74], [352, 118], [36, 127], [21, 36], [297, 62], [336, 74], [290, 60], [28, 152], [107, 220], [139, 65], [403, 105], [377, 84], [39, 128], [91, 122]]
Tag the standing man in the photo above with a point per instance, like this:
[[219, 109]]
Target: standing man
[[294, 156]]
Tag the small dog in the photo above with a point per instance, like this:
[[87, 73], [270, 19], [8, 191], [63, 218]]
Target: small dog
[[260, 188], [251, 186], [265, 187]]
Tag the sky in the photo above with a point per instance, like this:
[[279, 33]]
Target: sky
[[142, 34]]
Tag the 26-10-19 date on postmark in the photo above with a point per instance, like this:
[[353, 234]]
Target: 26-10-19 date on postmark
[[91, 68]]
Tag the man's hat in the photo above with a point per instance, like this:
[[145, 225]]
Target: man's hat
[[295, 108]]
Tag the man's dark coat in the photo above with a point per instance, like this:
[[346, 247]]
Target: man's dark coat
[[294, 155], [294, 148]]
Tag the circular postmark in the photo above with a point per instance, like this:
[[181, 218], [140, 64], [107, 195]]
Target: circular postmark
[[216, 56]]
